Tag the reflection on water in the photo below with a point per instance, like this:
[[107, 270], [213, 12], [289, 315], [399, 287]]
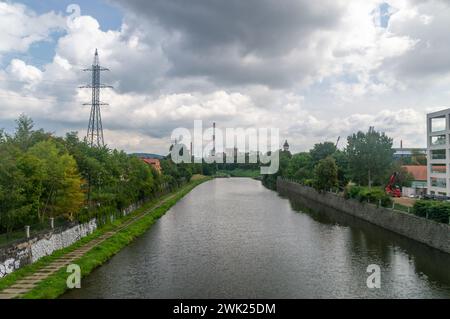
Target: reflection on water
[[427, 262], [233, 238]]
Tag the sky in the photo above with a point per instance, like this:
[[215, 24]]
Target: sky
[[316, 70]]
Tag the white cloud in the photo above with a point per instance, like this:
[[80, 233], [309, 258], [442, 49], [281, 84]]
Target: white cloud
[[21, 71], [335, 80], [22, 27]]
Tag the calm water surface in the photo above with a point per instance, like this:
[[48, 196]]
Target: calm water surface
[[233, 238]]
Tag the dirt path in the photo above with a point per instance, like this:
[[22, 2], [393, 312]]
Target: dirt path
[[405, 201]]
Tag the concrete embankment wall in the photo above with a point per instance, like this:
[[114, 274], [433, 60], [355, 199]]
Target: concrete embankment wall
[[27, 251], [431, 233]]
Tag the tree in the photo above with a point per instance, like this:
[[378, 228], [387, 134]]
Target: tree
[[270, 180], [370, 156], [24, 128], [300, 167], [321, 151], [326, 174], [13, 208], [61, 182], [342, 164], [418, 158]]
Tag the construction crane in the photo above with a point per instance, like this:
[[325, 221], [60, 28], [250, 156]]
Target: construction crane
[[337, 142], [392, 188]]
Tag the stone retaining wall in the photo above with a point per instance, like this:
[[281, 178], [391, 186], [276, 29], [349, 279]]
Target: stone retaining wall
[[431, 233], [28, 251]]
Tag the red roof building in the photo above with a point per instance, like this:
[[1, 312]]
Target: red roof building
[[154, 162], [419, 172]]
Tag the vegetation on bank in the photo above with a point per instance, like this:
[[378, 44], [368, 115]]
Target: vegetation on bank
[[44, 176], [55, 285], [434, 210], [375, 195], [361, 171], [366, 160]]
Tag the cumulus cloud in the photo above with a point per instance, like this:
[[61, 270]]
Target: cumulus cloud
[[428, 23], [21, 27], [315, 69]]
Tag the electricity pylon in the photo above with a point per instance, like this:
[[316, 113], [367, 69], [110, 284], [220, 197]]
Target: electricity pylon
[[94, 135]]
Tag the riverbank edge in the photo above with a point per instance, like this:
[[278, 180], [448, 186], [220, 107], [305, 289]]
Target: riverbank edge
[[55, 285], [428, 232]]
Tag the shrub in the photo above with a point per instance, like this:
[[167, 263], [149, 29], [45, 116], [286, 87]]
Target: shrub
[[352, 191], [364, 194], [309, 182], [421, 207], [434, 210]]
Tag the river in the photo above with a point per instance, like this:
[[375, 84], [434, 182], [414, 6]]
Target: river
[[233, 238]]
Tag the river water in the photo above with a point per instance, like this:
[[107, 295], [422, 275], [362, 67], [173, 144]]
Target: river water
[[233, 238]]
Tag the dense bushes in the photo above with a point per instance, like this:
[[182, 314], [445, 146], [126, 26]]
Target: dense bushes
[[434, 210], [365, 194]]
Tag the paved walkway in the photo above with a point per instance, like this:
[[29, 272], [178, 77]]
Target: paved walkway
[[26, 284]]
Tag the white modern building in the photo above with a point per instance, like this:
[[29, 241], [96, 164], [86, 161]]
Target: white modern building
[[438, 151]]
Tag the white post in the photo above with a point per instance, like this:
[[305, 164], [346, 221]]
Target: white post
[[27, 231], [52, 223], [393, 205]]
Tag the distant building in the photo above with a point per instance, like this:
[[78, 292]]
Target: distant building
[[402, 153], [438, 149], [154, 162], [286, 146]]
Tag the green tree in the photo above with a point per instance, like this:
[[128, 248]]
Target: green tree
[[326, 174], [369, 157], [13, 208], [62, 194], [341, 159], [270, 180], [321, 151], [300, 167], [418, 158]]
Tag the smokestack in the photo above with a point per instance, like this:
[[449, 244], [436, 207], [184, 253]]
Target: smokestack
[[401, 143], [214, 138]]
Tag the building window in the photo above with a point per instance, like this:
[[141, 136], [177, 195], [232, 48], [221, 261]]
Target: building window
[[438, 154], [438, 182], [437, 140], [439, 168], [438, 124]]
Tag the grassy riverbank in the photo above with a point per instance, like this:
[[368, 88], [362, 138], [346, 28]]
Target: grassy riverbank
[[55, 285]]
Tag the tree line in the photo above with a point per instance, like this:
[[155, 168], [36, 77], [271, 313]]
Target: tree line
[[42, 176], [367, 159]]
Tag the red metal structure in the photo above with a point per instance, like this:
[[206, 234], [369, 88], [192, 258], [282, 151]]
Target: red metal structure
[[393, 189]]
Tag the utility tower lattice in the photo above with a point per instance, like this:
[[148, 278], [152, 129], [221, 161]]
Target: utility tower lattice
[[95, 129]]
